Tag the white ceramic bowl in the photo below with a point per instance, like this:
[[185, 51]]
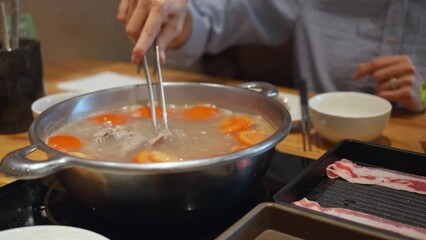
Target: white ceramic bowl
[[52, 232], [349, 115], [47, 101]]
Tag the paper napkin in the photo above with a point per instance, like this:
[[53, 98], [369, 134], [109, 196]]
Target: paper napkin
[[99, 81]]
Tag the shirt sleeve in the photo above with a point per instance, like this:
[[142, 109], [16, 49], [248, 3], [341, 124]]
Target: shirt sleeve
[[220, 24]]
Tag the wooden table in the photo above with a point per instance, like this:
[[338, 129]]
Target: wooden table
[[406, 131]]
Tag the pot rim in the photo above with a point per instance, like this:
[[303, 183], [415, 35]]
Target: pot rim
[[167, 167]]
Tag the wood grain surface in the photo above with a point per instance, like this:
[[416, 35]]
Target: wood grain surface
[[405, 130]]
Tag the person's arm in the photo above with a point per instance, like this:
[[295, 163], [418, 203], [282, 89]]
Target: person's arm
[[397, 80], [210, 26], [220, 24]]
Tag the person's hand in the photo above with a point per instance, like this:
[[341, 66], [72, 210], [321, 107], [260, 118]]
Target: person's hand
[[147, 21], [397, 79]]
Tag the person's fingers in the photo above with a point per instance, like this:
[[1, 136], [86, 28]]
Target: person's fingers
[[153, 24], [357, 75], [400, 82], [131, 8], [162, 57], [122, 11], [147, 36], [137, 21], [406, 96], [396, 79], [375, 64], [159, 21], [170, 31], [395, 95], [395, 70]]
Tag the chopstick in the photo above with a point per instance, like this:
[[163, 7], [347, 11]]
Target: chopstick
[[306, 122], [160, 81], [144, 65], [3, 26]]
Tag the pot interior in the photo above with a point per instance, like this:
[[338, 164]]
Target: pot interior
[[232, 98]]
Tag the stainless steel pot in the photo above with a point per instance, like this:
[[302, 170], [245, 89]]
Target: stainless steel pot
[[163, 191]]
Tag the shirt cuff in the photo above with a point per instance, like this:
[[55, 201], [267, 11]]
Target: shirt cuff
[[194, 47]]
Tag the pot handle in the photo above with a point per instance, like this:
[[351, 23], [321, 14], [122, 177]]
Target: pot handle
[[17, 164], [264, 88]]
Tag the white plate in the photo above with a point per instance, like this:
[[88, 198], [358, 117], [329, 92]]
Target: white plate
[[293, 104], [95, 82], [100, 81], [47, 101], [50, 232]]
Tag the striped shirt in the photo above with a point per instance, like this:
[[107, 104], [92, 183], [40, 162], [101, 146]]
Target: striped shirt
[[330, 36]]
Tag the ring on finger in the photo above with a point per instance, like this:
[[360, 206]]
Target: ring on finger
[[392, 83]]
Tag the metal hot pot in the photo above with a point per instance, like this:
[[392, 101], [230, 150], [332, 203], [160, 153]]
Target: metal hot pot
[[157, 192]]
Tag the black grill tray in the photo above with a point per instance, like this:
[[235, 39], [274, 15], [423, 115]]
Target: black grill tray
[[396, 205]]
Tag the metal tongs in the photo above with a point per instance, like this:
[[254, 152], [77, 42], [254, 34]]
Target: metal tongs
[[144, 65]]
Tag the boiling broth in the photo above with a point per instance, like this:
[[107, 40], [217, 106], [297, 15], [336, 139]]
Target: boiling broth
[[126, 134]]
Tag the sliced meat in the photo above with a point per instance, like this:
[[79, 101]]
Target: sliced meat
[[367, 219], [354, 173]]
